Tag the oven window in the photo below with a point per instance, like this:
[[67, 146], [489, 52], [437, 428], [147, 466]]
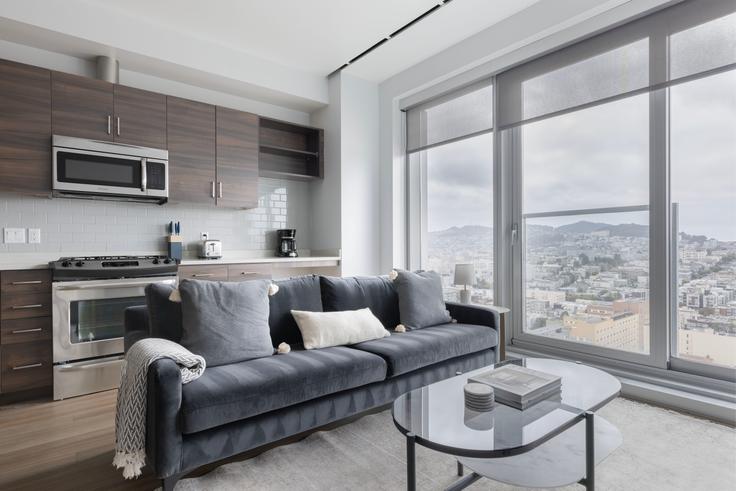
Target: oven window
[[99, 319], [96, 169]]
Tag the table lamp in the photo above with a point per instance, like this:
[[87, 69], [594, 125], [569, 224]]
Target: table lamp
[[464, 275]]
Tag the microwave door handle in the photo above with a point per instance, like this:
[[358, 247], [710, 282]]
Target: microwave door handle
[[144, 177]]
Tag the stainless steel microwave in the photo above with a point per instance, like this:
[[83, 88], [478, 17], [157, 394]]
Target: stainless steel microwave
[[95, 169]]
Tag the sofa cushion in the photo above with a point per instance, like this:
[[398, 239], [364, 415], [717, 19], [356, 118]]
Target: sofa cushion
[[374, 292], [412, 350], [300, 293], [420, 299], [163, 314], [225, 322], [233, 392]]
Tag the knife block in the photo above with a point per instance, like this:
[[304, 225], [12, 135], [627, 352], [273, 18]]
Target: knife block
[[175, 247]]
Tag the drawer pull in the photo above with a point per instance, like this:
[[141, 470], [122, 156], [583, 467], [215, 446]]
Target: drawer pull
[[31, 306], [29, 282], [32, 365], [247, 272], [21, 331], [202, 275]]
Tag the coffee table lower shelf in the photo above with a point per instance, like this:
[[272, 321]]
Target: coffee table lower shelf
[[555, 463]]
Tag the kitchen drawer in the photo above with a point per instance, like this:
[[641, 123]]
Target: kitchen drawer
[[214, 272], [24, 305], [245, 272], [25, 366], [25, 281], [25, 330]]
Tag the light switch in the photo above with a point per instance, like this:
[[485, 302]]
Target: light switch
[[34, 235], [14, 235]]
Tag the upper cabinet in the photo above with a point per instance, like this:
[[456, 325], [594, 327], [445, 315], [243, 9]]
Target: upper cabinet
[[82, 107], [192, 145], [140, 117], [290, 151], [237, 159], [25, 128], [95, 109]]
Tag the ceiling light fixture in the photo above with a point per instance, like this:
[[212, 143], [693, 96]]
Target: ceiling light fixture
[[393, 34]]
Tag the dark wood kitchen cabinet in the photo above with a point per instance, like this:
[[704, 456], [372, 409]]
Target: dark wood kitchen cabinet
[[90, 108], [237, 159], [25, 334], [190, 128], [25, 128], [82, 107], [140, 117]]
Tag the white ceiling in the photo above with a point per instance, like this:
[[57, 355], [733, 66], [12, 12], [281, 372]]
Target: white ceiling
[[316, 36], [319, 36]]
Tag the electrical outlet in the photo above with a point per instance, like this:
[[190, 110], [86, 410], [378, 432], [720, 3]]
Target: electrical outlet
[[34, 235], [14, 235], [204, 235]]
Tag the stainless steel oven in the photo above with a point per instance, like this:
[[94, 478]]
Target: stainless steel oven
[[103, 170], [88, 326]]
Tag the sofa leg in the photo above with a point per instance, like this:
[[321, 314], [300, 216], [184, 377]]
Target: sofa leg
[[168, 483]]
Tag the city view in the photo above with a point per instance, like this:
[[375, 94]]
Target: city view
[[589, 282]]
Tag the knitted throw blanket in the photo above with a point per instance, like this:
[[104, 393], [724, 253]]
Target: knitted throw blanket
[[130, 415]]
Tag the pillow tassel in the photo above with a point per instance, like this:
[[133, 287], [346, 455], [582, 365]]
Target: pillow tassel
[[400, 328], [283, 349], [273, 289], [175, 296]]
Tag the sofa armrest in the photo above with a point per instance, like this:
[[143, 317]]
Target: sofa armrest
[[136, 326], [493, 317], [163, 435]]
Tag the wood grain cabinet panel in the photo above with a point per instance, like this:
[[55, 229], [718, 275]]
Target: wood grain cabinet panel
[[25, 366], [25, 305], [140, 117], [25, 281], [191, 139], [25, 128], [237, 159], [204, 272], [82, 107], [16, 331], [247, 272]]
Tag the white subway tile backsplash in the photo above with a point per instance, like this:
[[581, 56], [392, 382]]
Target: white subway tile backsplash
[[93, 227]]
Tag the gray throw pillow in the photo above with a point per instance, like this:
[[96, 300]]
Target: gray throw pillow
[[420, 299], [225, 322]]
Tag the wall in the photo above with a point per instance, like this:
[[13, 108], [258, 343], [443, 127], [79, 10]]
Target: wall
[[345, 200], [96, 227], [74, 226]]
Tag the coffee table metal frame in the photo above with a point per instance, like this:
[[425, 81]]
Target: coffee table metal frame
[[588, 416]]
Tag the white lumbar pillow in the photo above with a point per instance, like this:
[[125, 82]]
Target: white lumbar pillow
[[325, 329]]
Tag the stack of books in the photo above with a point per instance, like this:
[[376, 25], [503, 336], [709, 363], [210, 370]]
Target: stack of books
[[518, 386]]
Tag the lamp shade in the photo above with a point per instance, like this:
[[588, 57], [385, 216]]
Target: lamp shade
[[464, 274]]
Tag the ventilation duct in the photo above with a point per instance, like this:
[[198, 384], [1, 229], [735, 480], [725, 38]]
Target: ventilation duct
[[108, 69]]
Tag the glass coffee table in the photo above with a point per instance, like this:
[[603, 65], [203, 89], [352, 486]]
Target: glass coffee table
[[554, 443]]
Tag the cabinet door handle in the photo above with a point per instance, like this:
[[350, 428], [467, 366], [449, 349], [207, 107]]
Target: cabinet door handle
[[109, 124], [29, 282], [21, 331], [202, 275], [219, 192], [32, 365], [244, 273], [213, 188], [117, 123], [30, 306]]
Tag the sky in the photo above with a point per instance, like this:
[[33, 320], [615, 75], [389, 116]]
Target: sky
[[599, 157]]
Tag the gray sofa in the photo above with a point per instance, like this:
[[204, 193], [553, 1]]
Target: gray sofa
[[239, 407]]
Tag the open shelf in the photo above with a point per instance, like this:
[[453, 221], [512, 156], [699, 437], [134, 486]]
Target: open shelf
[[290, 151]]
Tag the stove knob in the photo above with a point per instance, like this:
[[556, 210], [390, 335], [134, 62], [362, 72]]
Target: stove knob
[[66, 264], [79, 264], [167, 261], [155, 261]]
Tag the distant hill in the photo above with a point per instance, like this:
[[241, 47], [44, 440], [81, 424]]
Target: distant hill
[[622, 230], [542, 232]]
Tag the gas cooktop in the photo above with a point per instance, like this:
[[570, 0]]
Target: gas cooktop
[[102, 267]]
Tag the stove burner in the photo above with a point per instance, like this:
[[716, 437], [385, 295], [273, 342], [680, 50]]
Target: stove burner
[[104, 267]]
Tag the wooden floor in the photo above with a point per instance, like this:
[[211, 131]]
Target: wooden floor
[[64, 445]]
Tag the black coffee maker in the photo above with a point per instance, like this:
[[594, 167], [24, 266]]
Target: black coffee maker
[[287, 243]]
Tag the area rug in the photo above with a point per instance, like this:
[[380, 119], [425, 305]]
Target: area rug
[[662, 450]]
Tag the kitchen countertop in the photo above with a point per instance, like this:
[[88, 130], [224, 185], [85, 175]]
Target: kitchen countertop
[[40, 260]]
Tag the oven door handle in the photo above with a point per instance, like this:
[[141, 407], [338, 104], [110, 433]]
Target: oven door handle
[[105, 286], [144, 175], [91, 364]]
